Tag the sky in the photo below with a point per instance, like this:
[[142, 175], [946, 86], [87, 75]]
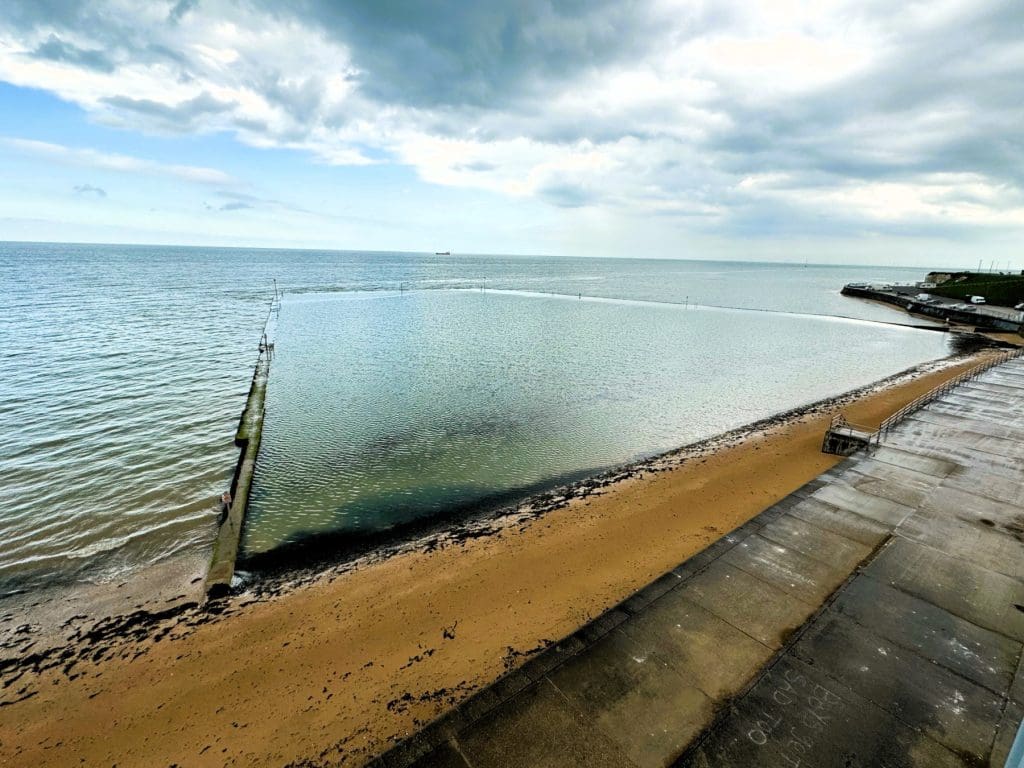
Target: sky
[[847, 132]]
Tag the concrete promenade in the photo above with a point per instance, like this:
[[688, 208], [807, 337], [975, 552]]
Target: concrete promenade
[[875, 617]]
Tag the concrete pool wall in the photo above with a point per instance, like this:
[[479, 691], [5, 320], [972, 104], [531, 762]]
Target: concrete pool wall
[[247, 438]]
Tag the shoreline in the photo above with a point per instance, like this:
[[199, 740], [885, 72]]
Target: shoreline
[[343, 662]]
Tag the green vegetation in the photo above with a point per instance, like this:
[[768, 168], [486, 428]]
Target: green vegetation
[[1004, 290]]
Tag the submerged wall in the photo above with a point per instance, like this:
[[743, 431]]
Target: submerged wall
[[247, 438]]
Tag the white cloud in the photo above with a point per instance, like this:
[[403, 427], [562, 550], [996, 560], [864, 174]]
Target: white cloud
[[690, 109], [90, 158]]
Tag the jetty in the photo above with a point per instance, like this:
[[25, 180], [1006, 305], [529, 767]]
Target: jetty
[[873, 617]]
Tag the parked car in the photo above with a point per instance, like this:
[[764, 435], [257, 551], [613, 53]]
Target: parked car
[[977, 299]]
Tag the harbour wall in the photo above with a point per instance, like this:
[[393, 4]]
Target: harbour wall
[[976, 318]]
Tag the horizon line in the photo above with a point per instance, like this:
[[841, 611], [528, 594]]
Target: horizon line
[[485, 255]]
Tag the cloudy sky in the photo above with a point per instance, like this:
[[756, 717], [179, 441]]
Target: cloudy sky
[[864, 131]]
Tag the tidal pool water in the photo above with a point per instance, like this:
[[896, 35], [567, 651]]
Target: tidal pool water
[[386, 408]]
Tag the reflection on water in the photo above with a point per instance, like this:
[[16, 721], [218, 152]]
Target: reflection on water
[[123, 370], [387, 407]]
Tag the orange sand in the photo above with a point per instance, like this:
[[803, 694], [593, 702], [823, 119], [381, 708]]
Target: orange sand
[[310, 675]]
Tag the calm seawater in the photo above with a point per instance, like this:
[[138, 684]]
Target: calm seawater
[[124, 369]]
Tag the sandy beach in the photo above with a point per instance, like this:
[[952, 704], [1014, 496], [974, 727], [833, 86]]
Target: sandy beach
[[337, 668]]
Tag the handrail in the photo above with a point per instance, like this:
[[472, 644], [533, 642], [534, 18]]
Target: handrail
[[839, 421], [946, 386]]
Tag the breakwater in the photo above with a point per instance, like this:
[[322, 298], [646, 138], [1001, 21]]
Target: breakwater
[[906, 298], [247, 438]]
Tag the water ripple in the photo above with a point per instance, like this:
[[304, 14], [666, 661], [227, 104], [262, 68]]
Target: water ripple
[[123, 370]]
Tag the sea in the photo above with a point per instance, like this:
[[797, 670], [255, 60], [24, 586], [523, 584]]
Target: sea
[[405, 388]]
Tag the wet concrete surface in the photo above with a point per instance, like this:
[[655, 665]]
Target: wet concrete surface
[[873, 618]]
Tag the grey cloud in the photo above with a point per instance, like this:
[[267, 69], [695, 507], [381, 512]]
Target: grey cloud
[[237, 201], [771, 219], [299, 98], [89, 189], [55, 49], [28, 14], [945, 97], [180, 8], [568, 195], [158, 52], [476, 166], [179, 117], [487, 53], [871, 126], [114, 36]]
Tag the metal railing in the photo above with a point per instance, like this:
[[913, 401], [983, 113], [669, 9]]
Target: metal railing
[[840, 425], [946, 386]]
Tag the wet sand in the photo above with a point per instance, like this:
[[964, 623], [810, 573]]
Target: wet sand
[[336, 668]]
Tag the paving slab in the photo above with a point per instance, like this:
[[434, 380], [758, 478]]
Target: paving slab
[[815, 542], [929, 465], [795, 716], [980, 403], [841, 521], [1017, 688], [980, 655], [992, 422], [986, 598], [961, 450], [538, 728], [962, 455], [864, 504], [973, 442], [760, 610], [446, 755], [995, 392], [963, 503], [1009, 723], [803, 577], [1012, 370], [964, 403], [950, 709], [951, 422], [635, 699], [1005, 488], [871, 467], [646, 595], [970, 539], [1011, 367], [713, 653], [1003, 383], [900, 485]]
